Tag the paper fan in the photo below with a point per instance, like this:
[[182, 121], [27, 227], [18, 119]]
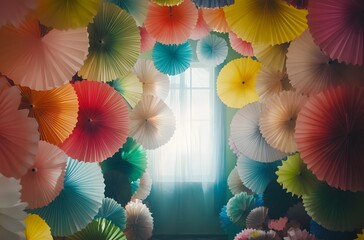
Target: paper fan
[[268, 21], [360, 236], [309, 69], [226, 224], [322, 233], [300, 4], [245, 133], [295, 177], [138, 9], [19, 135], [270, 83], [55, 111], [36, 228], [154, 82], [112, 211], [78, 202], [277, 200], [114, 45], [235, 185], [201, 29], [11, 209], [44, 180], [172, 59], [239, 206], [244, 234], [117, 186], [277, 224], [213, 3], [298, 214], [272, 57], [100, 229], [236, 82], [173, 24], [298, 234], [152, 122], [257, 218], [139, 222], [102, 125], [13, 12], [39, 58], [212, 50], [167, 2], [129, 87], [233, 147], [330, 137], [216, 20], [144, 188], [147, 41], [131, 160], [349, 210], [240, 46], [66, 14], [278, 120], [256, 175], [337, 27]]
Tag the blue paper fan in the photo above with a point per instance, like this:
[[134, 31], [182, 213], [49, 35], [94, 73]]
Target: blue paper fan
[[172, 59], [226, 224], [78, 202], [112, 211], [256, 175], [213, 3], [212, 50]]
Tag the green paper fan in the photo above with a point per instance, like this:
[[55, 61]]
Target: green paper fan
[[129, 87], [167, 2], [239, 206], [131, 160], [334, 209], [112, 211], [99, 229], [295, 177], [136, 8], [117, 187], [114, 45]]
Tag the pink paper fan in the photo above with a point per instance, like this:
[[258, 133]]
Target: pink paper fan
[[102, 126], [14, 11], [330, 137], [40, 58], [241, 46], [171, 25], [147, 41], [244, 235], [44, 180], [277, 224], [19, 135], [201, 29], [215, 18], [337, 27]]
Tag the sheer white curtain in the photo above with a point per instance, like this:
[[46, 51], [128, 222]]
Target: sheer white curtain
[[187, 171]]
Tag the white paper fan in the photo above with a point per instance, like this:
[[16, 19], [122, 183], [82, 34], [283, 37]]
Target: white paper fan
[[139, 221]]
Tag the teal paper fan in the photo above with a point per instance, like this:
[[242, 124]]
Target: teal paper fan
[[99, 229], [138, 9], [172, 59], [78, 202], [256, 175], [334, 209], [226, 224], [239, 206], [212, 50], [112, 211], [131, 160]]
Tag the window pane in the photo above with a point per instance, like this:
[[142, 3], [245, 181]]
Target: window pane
[[201, 104], [201, 77]]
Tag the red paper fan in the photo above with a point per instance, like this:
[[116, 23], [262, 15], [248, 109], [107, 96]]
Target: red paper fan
[[330, 137], [147, 41], [241, 46], [171, 25], [201, 29], [102, 126]]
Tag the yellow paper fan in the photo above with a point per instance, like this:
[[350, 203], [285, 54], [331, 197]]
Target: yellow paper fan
[[272, 57], [167, 2], [265, 21], [36, 228], [236, 82]]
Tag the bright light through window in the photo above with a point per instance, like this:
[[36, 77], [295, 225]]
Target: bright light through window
[[189, 155]]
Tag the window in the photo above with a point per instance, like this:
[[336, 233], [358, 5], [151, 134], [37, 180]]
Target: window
[[189, 156]]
